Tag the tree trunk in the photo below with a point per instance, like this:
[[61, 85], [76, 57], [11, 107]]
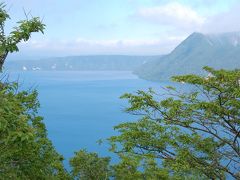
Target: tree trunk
[[3, 57]]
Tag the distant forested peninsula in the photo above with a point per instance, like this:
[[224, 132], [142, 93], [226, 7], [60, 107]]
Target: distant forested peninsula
[[196, 51], [82, 63]]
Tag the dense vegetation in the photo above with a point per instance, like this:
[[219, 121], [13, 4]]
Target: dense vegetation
[[189, 135], [25, 150]]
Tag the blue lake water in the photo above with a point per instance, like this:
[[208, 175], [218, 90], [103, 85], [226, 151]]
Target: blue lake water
[[80, 108]]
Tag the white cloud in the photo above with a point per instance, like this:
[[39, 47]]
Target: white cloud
[[177, 19], [173, 14], [223, 22], [161, 27]]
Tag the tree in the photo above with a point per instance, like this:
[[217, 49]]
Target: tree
[[25, 150], [135, 167], [89, 166], [20, 33], [195, 133]]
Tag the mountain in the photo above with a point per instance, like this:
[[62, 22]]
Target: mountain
[[82, 63], [196, 51]]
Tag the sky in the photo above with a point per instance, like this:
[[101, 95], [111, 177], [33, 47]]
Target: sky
[[125, 27]]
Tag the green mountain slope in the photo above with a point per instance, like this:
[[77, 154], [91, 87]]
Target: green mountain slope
[[198, 50]]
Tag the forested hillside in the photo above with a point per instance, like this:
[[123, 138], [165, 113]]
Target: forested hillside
[[198, 50]]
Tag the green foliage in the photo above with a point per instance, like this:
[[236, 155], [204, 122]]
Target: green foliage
[[8, 43], [191, 134], [89, 166], [135, 167], [25, 150], [22, 32], [127, 168]]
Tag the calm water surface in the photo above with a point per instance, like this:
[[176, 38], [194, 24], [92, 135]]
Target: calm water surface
[[80, 108]]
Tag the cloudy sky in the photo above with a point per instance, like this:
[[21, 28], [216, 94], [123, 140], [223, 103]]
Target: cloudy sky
[[132, 27]]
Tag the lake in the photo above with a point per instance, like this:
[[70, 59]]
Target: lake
[[80, 108]]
